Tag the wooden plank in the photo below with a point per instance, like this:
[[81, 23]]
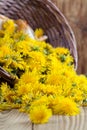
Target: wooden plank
[[51, 125], [13, 120], [78, 122]]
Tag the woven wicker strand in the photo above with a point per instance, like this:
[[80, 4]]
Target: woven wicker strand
[[43, 14]]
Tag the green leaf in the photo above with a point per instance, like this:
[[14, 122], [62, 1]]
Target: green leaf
[[62, 58]]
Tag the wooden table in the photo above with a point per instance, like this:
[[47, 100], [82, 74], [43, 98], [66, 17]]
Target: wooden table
[[13, 120]]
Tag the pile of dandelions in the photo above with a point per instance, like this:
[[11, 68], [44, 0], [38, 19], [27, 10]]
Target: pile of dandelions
[[47, 83]]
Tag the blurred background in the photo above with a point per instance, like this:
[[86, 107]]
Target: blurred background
[[76, 13]]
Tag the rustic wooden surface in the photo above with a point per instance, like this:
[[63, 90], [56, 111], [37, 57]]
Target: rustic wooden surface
[[13, 120], [76, 13]]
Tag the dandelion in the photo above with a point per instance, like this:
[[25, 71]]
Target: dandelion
[[23, 89], [9, 26], [4, 88], [29, 77], [40, 114], [5, 51], [39, 32], [62, 50], [66, 106]]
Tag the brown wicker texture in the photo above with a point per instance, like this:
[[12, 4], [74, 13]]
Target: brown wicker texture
[[43, 14]]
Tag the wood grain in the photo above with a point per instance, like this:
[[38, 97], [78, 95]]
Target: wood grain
[[13, 120], [66, 122]]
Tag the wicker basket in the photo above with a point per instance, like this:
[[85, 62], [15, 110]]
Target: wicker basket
[[43, 14]]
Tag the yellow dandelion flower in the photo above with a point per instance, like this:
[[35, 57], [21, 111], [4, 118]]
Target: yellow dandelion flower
[[23, 89], [39, 32], [22, 47], [43, 100], [7, 40], [40, 114], [66, 107], [69, 60], [61, 50], [5, 51], [9, 26], [56, 79], [49, 89], [54, 64], [82, 81], [26, 98], [10, 96], [37, 60], [77, 95], [29, 77], [4, 88]]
